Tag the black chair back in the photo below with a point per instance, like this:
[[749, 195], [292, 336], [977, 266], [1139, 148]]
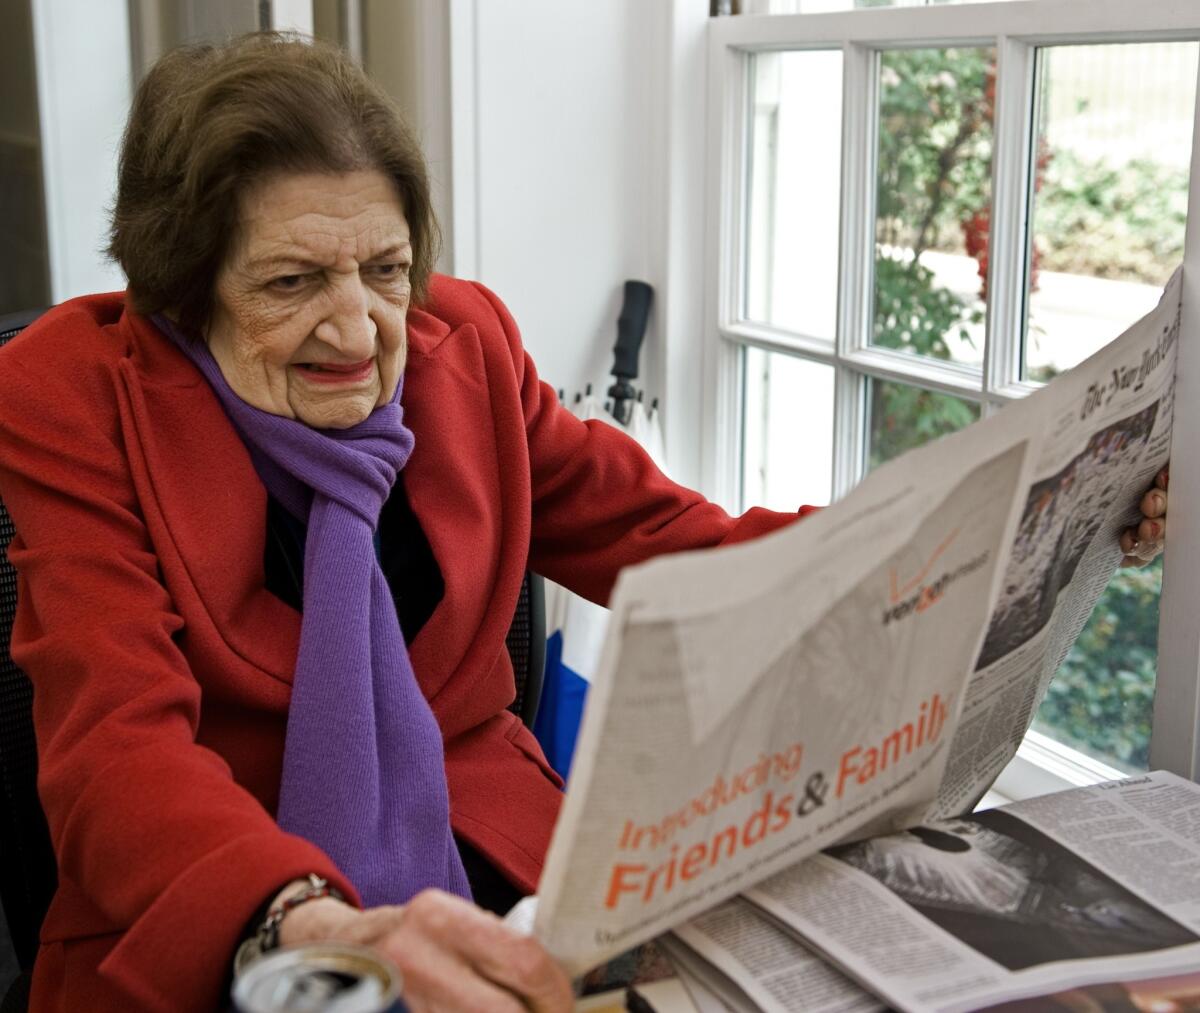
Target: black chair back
[[526, 644], [28, 875]]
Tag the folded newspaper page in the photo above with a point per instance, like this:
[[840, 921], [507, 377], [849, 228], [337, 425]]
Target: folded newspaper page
[[710, 990], [855, 674], [770, 967], [1094, 886]]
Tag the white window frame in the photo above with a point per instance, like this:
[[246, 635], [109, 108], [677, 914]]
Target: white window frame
[[1016, 30]]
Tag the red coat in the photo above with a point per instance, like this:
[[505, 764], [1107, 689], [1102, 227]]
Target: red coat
[[162, 666]]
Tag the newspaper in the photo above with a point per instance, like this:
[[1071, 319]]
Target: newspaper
[[1094, 886], [773, 970], [855, 674], [711, 991]]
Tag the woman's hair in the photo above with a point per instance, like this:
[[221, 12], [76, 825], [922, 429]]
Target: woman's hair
[[208, 122]]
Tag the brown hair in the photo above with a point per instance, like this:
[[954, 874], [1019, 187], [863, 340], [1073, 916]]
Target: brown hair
[[209, 121]]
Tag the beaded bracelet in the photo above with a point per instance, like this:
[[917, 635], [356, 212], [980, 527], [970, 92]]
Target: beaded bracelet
[[266, 937]]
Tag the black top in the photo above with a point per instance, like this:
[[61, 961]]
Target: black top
[[417, 587], [408, 562]]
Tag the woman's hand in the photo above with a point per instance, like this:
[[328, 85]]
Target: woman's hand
[[452, 954], [1144, 542]]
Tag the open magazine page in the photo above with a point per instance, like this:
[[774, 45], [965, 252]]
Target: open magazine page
[[959, 914], [757, 703], [1109, 434], [777, 972]]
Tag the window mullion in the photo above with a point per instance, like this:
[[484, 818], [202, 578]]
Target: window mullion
[[1008, 239], [849, 430], [860, 114], [728, 99]]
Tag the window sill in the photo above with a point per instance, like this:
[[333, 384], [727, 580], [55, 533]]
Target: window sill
[[1043, 765]]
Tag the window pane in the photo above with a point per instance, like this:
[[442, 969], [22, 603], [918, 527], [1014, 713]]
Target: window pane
[[1102, 699], [904, 417], [1114, 139], [795, 191], [787, 431], [934, 197]]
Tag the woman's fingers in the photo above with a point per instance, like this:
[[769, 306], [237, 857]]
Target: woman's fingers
[[437, 978], [521, 963], [1154, 503], [1143, 543], [513, 961], [1152, 530], [455, 956]]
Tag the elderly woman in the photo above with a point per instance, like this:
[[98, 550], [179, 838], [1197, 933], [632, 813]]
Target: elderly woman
[[274, 504]]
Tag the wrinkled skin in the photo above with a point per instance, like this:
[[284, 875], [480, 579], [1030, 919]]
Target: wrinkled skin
[[309, 321]]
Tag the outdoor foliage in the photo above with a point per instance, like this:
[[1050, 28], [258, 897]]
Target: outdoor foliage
[[1103, 696], [934, 163], [935, 143], [1133, 217]]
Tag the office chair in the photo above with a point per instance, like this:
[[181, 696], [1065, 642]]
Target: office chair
[[526, 642], [28, 873]]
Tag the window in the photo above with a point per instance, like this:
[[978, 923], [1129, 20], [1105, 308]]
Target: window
[[925, 222]]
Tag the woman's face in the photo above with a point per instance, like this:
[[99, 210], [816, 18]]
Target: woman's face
[[311, 302]]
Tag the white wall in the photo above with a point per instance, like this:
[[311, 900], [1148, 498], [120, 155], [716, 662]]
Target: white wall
[[578, 157], [83, 99], [560, 110]]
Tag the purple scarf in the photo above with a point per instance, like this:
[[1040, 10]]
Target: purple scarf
[[363, 771]]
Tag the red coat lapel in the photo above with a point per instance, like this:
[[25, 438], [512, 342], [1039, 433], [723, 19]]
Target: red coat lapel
[[454, 482], [212, 506]]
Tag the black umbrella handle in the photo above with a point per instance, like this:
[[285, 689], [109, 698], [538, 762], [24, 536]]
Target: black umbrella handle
[[631, 330]]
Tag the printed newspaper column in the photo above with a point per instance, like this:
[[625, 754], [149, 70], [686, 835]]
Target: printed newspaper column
[[1108, 433], [757, 703]]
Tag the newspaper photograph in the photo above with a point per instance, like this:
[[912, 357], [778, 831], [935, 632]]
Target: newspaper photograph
[[856, 674], [963, 913]]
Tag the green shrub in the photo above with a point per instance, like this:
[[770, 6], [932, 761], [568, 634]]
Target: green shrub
[[1102, 699], [935, 162]]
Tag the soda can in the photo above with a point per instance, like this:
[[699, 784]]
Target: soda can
[[330, 977]]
